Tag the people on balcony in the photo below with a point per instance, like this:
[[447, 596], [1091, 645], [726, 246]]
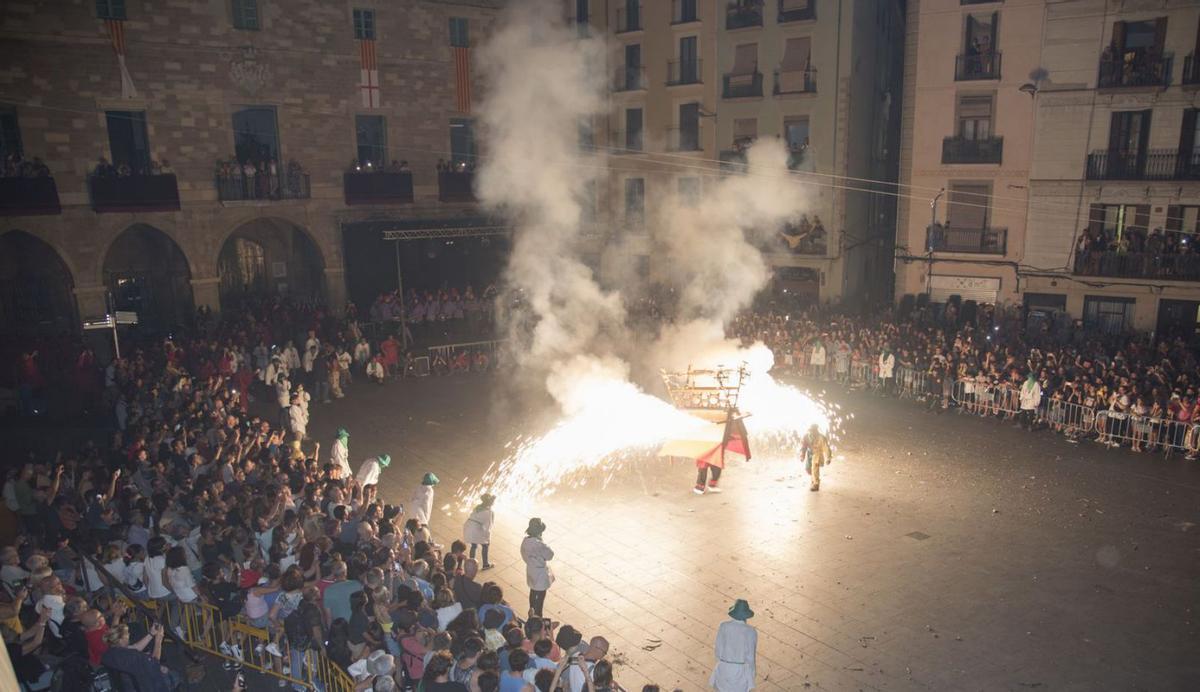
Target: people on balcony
[[15, 166], [249, 179], [461, 166], [1133, 252], [104, 169]]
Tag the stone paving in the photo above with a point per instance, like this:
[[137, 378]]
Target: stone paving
[[943, 552]]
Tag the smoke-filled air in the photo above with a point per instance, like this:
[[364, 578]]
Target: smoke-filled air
[[570, 331]]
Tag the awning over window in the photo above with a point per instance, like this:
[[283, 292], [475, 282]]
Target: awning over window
[[796, 54], [745, 59]]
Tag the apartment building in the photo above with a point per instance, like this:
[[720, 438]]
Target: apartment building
[[966, 147], [179, 155], [695, 82], [1115, 182]]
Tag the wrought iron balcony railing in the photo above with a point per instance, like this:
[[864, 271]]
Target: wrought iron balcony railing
[[1139, 265], [1148, 164], [683, 72], [797, 10], [628, 20], [1145, 70], [683, 139], [980, 241], [964, 150], [629, 78], [738, 86], [977, 66], [743, 13], [626, 141], [378, 187], [134, 193]]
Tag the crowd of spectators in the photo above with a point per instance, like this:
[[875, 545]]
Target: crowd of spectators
[[201, 499], [1136, 253], [1112, 388], [248, 179]]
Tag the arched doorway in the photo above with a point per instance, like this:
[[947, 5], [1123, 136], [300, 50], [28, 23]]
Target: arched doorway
[[270, 256], [36, 288], [146, 272]]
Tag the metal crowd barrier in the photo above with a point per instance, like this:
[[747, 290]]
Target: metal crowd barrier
[[448, 350]]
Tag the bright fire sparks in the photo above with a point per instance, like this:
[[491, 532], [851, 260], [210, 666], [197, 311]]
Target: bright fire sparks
[[616, 423]]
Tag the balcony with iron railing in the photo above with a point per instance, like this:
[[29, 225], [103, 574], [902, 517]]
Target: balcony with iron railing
[[456, 185], [797, 10], [804, 238], [377, 187], [739, 86], [1191, 70], [795, 81], [1144, 70], [157, 192], [629, 18], [626, 142], [237, 183], [28, 196], [683, 138], [683, 72], [1149, 164], [1139, 265], [684, 11], [629, 78], [977, 66], [957, 150], [743, 14], [979, 241]]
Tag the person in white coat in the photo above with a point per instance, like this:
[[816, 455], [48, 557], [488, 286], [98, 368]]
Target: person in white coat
[[298, 418], [1031, 398], [422, 499], [340, 455], [477, 530], [736, 647], [291, 357], [887, 368], [368, 472], [538, 575]]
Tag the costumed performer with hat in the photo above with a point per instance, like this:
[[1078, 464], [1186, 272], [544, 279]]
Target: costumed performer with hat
[[477, 530], [737, 642], [538, 575], [340, 455], [368, 473], [422, 499]]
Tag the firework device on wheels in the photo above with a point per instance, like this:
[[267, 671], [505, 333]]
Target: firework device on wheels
[[711, 396]]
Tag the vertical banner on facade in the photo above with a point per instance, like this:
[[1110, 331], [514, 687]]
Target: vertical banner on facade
[[462, 79], [116, 32], [369, 78]]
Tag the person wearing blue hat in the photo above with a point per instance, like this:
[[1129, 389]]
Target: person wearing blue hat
[[368, 473], [737, 643], [422, 499]]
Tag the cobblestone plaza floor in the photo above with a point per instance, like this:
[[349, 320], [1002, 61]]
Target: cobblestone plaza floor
[[943, 552]]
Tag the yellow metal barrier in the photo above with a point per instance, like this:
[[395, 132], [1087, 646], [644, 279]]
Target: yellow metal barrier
[[204, 628]]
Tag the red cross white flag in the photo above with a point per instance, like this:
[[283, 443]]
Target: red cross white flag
[[116, 32], [368, 84]]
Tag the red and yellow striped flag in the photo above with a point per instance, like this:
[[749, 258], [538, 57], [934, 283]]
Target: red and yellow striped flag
[[368, 84], [116, 33], [462, 78]]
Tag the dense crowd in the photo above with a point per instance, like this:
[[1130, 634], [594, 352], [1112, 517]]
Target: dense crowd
[[201, 501], [1113, 388]]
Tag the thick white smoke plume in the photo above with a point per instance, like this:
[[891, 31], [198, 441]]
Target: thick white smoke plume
[[571, 333]]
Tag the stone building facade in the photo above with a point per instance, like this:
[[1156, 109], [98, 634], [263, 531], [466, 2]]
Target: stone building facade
[[192, 86]]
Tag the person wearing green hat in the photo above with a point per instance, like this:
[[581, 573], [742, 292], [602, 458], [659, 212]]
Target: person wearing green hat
[[340, 456], [422, 499], [368, 473], [737, 643]]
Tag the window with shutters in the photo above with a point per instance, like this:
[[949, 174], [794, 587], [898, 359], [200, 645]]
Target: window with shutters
[[364, 24], [10, 133], [110, 9], [969, 205], [1188, 160], [1128, 145], [1183, 218], [459, 36], [1108, 314], [975, 116], [245, 15], [633, 129], [462, 141]]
